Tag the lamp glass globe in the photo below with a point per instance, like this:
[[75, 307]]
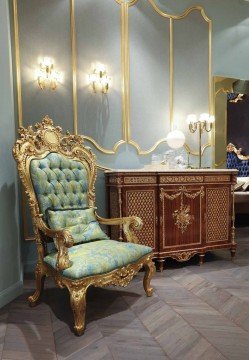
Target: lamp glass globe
[[175, 139]]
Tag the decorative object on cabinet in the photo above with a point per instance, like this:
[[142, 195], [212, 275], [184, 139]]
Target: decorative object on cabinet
[[99, 80], [175, 139], [47, 77], [58, 173], [204, 123], [185, 212]]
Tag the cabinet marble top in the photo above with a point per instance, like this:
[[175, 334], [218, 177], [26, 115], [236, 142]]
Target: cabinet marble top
[[170, 171]]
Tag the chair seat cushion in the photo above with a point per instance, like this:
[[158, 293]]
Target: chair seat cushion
[[99, 257]]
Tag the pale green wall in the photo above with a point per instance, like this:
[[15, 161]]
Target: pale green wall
[[230, 32], [10, 261], [230, 58]]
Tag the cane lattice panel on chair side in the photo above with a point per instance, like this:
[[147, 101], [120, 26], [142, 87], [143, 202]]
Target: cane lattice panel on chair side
[[218, 205], [142, 203]]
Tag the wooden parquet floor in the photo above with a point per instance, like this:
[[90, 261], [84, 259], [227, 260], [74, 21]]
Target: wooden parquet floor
[[195, 313]]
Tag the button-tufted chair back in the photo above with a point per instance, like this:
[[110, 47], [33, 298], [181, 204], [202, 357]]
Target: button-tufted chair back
[[59, 182], [233, 162], [57, 169]]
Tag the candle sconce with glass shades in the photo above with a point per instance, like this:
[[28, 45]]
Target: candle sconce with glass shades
[[203, 123]]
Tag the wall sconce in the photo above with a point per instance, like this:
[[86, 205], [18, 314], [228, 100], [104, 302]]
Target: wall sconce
[[47, 77], [204, 123], [99, 80]]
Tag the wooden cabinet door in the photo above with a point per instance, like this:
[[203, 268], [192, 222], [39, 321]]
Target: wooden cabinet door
[[218, 214], [142, 202], [181, 218]]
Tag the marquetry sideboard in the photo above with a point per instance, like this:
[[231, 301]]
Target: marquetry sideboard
[[184, 212]]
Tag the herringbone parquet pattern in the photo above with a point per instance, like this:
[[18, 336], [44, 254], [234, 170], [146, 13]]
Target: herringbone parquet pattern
[[195, 313]]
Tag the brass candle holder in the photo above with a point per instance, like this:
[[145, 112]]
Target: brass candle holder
[[204, 123]]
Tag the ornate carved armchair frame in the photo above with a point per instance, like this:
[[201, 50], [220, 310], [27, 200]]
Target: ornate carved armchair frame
[[232, 148], [36, 144]]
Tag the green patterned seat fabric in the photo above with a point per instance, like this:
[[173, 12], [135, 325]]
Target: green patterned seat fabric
[[99, 257], [81, 224], [59, 182]]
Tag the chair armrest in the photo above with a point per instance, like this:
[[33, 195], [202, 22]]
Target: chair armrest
[[129, 224], [63, 240]]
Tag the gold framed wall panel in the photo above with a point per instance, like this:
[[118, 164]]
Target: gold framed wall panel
[[222, 86], [195, 71], [149, 95], [76, 27], [171, 77], [21, 81]]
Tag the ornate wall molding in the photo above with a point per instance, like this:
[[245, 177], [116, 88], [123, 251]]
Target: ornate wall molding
[[171, 75], [124, 16], [125, 66]]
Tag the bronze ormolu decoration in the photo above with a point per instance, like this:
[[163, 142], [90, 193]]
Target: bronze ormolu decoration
[[36, 144], [182, 216]]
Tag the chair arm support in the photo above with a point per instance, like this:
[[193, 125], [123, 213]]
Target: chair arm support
[[63, 240], [129, 224]]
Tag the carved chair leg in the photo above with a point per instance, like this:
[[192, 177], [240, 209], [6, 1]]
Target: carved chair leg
[[150, 269], [39, 277], [78, 305]]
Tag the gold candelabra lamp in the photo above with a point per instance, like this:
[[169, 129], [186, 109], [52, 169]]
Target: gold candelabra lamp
[[203, 123]]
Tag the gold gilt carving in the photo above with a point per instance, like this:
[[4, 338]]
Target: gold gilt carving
[[140, 180], [217, 178], [182, 191], [78, 288], [232, 148], [183, 256], [182, 217], [181, 179], [36, 143], [115, 180]]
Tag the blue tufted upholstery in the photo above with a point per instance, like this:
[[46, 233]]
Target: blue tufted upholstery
[[233, 162], [59, 182]]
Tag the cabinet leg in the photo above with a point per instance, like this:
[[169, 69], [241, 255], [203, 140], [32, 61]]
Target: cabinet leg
[[201, 259], [161, 263], [233, 253]]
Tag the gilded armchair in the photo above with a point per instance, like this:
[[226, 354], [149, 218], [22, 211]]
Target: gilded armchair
[[58, 173]]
